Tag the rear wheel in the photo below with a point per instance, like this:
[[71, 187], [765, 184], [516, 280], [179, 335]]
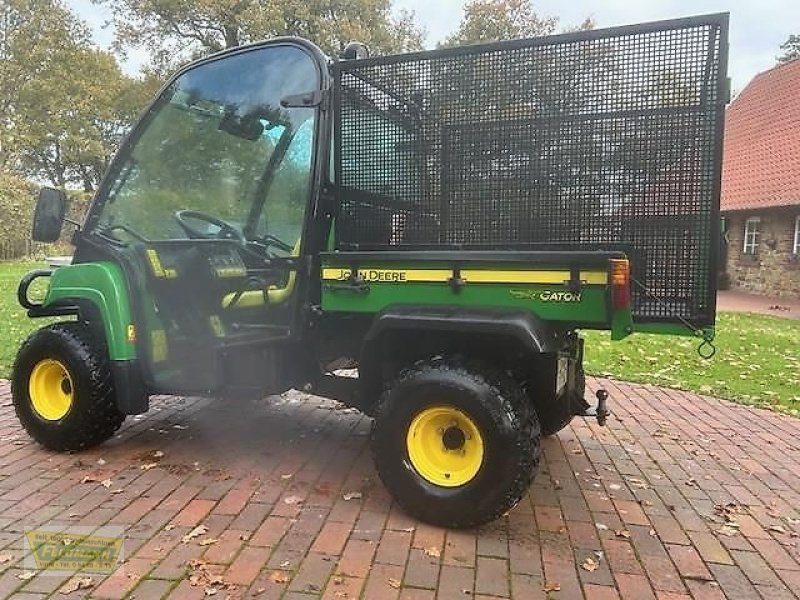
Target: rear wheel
[[456, 442], [62, 388]]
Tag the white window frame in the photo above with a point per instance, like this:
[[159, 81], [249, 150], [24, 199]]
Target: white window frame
[[751, 236], [796, 245]]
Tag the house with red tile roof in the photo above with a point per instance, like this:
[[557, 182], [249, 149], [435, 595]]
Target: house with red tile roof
[[761, 185]]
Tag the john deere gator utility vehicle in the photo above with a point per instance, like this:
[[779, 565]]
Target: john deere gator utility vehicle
[[440, 224]]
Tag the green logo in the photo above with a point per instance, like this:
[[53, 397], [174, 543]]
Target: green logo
[[66, 551]]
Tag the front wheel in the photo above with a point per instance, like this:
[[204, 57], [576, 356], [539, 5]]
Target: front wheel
[[62, 388], [456, 442]]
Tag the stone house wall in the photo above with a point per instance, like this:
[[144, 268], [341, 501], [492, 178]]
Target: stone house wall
[[774, 270]]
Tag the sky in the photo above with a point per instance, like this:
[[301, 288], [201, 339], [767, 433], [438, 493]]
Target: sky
[[758, 28]]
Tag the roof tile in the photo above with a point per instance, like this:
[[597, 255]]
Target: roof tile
[[761, 165]]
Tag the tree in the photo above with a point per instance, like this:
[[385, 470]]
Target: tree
[[16, 207], [791, 49], [176, 30], [493, 20], [35, 35], [71, 121], [63, 104]]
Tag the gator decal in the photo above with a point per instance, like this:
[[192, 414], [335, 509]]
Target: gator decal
[[547, 295]]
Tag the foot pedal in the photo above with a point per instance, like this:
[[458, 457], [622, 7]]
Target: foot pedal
[[600, 412]]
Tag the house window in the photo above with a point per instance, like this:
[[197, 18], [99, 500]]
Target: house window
[[751, 234], [796, 246]]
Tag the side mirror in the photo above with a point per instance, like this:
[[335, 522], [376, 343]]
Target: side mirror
[[48, 218]]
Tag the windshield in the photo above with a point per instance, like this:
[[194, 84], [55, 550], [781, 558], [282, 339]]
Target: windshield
[[218, 142]]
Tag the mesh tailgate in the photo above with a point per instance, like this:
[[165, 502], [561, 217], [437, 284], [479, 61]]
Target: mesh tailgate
[[609, 139]]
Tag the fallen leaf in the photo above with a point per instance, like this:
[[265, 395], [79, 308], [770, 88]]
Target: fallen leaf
[[338, 580], [208, 541], [100, 462], [590, 565], [169, 527], [777, 529], [292, 500], [196, 532], [394, 583], [285, 564], [614, 487], [4, 558], [148, 466], [352, 496], [278, 577], [623, 533], [77, 583], [652, 532], [197, 563], [158, 454], [551, 586], [638, 483], [601, 527], [287, 476], [106, 483], [433, 552], [89, 479], [691, 482], [210, 591], [27, 575], [180, 427], [728, 530]]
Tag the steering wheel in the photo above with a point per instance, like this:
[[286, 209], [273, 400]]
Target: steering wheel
[[226, 230]]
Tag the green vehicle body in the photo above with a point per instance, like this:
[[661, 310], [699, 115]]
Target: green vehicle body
[[102, 286], [213, 262]]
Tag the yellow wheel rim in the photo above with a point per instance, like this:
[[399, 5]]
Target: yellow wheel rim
[[50, 389], [445, 446]]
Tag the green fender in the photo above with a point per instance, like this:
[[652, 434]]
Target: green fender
[[103, 285]]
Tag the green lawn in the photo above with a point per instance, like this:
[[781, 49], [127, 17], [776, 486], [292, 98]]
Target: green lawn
[[757, 360], [14, 323]]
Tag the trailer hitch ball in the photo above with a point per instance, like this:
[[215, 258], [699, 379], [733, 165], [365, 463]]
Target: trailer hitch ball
[[602, 407]]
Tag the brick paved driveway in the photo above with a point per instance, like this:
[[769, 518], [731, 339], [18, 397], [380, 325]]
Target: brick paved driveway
[[679, 497]]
